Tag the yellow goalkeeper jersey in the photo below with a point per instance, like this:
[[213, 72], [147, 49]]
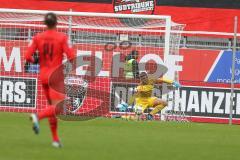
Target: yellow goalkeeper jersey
[[145, 90]]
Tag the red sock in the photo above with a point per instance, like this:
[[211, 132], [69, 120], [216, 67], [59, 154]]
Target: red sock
[[47, 112], [53, 126]]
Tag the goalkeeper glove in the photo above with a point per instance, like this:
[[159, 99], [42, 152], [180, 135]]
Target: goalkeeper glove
[[176, 84], [123, 107]]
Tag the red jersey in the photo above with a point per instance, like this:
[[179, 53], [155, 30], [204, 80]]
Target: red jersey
[[51, 46]]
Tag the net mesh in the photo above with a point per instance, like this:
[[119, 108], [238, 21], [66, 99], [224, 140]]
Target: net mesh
[[102, 44]]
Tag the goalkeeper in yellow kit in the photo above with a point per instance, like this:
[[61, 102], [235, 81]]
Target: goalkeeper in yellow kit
[[143, 97]]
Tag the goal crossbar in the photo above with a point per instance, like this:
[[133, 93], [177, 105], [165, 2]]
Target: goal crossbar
[[87, 14]]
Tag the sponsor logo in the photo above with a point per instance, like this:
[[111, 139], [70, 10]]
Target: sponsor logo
[[206, 101], [194, 101], [221, 70], [18, 92], [152, 63], [11, 60], [134, 6]]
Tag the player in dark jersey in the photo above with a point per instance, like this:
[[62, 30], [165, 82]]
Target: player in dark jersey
[[51, 45]]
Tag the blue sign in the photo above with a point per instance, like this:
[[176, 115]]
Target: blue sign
[[222, 69]]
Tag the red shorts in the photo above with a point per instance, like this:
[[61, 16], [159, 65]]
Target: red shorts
[[54, 92], [53, 84]]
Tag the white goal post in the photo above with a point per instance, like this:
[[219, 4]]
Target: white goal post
[[106, 37]]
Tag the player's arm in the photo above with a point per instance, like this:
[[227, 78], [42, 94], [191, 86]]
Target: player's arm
[[68, 50], [168, 81], [30, 55], [133, 97], [30, 52]]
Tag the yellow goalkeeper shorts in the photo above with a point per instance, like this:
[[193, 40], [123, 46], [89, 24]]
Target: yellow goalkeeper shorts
[[145, 102]]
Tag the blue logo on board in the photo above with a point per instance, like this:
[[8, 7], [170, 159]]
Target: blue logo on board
[[222, 72]]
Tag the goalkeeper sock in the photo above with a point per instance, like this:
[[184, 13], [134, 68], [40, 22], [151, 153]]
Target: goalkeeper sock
[[53, 123], [47, 112], [157, 109]]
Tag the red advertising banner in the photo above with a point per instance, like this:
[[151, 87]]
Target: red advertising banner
[[199, 18], [20, 91], [199, 98]]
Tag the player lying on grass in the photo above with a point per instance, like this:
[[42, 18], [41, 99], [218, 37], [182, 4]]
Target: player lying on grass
[[51, 45], [143, 97]]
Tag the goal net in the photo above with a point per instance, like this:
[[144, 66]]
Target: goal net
[[103, 43]]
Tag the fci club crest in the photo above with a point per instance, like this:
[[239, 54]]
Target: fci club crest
[[76, 90], [134, 6]]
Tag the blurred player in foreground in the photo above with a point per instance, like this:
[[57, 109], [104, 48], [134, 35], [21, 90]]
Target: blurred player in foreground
[[51, 46], [143, 97]]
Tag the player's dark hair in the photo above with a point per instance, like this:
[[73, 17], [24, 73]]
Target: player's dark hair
[[134, 52], [132, 55], [50, 20], [143, 73]]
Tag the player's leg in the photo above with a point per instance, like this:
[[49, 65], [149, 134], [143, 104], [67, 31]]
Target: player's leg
[[56, 107], [54, 99], [50, 112], [141, 105], [148, 102], [53, 124], [35, 123], [157, 104], [50, 109], [35, 118], [57, 104]]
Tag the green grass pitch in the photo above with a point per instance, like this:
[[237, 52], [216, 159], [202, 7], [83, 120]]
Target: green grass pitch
[[109, 139]]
